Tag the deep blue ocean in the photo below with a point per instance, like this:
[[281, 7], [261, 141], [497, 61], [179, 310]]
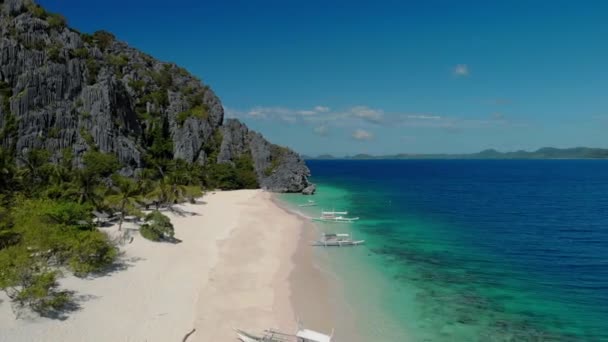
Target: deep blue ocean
[[474, 250]]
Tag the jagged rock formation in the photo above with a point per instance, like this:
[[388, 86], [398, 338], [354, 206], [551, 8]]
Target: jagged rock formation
[[277, 168], [309, 190], [61, 89]]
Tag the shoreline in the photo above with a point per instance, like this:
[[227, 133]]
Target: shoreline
[[310, 292], [318, 291], [244, 261]]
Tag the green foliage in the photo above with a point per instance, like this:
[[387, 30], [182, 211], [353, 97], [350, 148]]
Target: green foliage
[[81, 53], [226, 176], [163, 78], [87, 38], [8, 179], [56, 21], [54, 53], [199, 112], [103, 39], [276, 154], [7, 236], [54, 132], [245, 172], [88, 138], [157, 227], [212, 148], [159, 145], [124, 197], [30, 284], [99, 164], [10, 127], [222, 176], [10, 121], [91, 252], [182, 72], [60, 231], [137, 85], [118, 62], [70, 214], [36, 170], [6, 91], [159, 98], [37, 11], [40, 292], [93, 70]]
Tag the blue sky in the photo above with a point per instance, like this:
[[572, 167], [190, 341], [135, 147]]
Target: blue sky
[[381, 77]]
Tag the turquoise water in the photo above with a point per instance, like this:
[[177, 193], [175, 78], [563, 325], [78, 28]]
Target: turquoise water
[[470, 250]]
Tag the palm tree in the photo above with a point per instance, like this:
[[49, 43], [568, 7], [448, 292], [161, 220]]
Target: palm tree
[[85, 188], [125, 196], [169, 190], [160, 193]]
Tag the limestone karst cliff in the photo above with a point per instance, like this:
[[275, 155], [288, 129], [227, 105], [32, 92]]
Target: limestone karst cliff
[[62, 89]]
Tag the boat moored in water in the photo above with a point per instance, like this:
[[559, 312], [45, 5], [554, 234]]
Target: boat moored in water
[[335, 216], [337, 240], [310, 203]]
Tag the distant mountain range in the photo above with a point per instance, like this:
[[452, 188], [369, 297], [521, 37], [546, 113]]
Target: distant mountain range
[[542, 153]]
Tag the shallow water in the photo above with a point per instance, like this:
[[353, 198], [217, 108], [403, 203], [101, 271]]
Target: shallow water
[[470, 250]]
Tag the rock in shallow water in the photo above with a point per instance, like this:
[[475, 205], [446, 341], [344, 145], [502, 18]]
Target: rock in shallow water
[[309, 190]]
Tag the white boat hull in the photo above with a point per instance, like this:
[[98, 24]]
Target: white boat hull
[[338, 244], [336, 220], [244, 337]]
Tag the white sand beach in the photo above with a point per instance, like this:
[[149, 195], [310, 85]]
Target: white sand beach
[[232, 269]]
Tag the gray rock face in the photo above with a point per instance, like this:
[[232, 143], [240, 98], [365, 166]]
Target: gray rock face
[[309, 190], [67, 90], [279, 169]]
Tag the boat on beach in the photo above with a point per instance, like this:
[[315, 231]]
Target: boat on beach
[[335, 216], [269, 335], [337, 240]]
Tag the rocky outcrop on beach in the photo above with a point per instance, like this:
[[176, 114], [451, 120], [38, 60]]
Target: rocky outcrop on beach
[[65, 90], [277, 168], [309, 190]]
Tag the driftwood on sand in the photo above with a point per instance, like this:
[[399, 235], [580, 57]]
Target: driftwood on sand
[[188, 335]]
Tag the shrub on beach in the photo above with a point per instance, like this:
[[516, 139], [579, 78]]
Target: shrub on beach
[[157, 227], [28, 282], [44, 236]]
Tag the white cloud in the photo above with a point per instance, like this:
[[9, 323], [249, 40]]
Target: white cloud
[[361, 135], [322, 130], [278, 113], [424, 117], [461, 70], [367, 114], [321, 120]]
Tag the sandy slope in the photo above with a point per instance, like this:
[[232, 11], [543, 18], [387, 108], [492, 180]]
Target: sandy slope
[[231, 269]]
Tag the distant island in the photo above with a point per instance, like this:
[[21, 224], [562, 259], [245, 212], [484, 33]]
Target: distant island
[[542, 153]]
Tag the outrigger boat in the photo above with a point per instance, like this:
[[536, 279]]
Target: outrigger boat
[[337, 240], [302, 335], [335, 216], [310, 203]]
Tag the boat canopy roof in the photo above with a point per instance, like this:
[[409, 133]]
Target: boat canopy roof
[[313, 336], [337, 234], [334, 212]]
